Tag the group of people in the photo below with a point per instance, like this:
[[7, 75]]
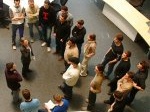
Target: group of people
[[123, 87]]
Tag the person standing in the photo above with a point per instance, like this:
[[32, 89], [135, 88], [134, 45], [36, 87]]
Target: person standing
[[47, 18], [89, 51], [17, 15], [32, 13], [95, 87], [64, 10], [114, 53], [78, 32], [62, 33], [119, 103], [70, 77], [124, 85], [26, 55], [122, 68], [13, 79], [30, 104], [71, 50], [139, 78]]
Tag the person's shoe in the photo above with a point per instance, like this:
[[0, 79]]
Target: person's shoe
[[107, 102], [48, 49], [106, 77], [32, 41], [83, 75], [60, 87], [43, 44], [55, 52], [87, 100], [29, 70], [60, 59], [85, 109], [110, 93], [128, 104], [14, 47], [62, 72]]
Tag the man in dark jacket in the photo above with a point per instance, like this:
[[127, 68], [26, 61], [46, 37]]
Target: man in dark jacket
[[122, 68], [47, 18], [139, 78], [78, 33], [62, 33], [26, 54], [13, 78]]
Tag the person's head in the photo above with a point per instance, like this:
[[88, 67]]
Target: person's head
[[118, 37], [74, 61], [118, 95], [63, 17], [10, 66], [99, 68], [142, 66], [129, 75], [24, 42], [31, 3], [71, 41], [80, 24], [46, 4], [58, 98], [91, 37], [126, 55], [17, 3], [64, 9], [26, 94]]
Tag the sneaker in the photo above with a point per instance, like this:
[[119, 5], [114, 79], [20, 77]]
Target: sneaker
[[43, 44], [107, 102], [14, 47], [60, 59], [32, 41], [85, 109], [48, 49], [83, 75], [55, 52], [87, 100]]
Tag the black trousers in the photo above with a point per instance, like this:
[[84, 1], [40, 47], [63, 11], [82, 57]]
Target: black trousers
[[113, 84], [25, 67], [92, 100], [110, 66], [67, 90], [131, 95]]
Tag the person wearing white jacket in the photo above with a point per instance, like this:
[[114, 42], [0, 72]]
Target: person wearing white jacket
[[70, 77]]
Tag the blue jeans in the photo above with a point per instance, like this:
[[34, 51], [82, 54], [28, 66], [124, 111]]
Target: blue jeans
[[79, 48], [47, 30], [14, 31], [31, 29]]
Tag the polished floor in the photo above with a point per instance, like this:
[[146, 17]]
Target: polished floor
[[45, 78]]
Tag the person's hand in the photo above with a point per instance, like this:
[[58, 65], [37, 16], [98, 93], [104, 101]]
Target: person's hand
[[54, 34], [61, 40], [33, 58]]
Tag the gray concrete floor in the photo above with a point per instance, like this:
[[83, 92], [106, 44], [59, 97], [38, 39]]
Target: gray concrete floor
[[44, 80]]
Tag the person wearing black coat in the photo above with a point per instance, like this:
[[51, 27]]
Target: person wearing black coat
[[13, 78], [140, 79], [78, 33], [122, 68], [62, 33], [26, 55], [47, 19]]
